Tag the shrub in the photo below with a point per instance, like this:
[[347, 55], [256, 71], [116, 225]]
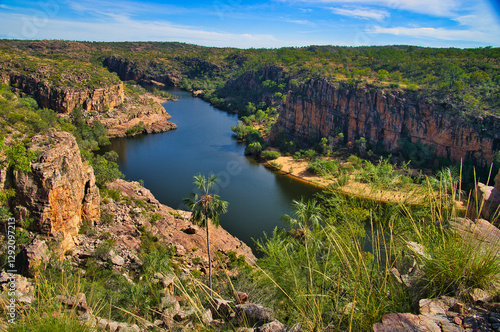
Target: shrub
[[253, 149], [137, 129], [105, 168], [323, 167], [270, 155]]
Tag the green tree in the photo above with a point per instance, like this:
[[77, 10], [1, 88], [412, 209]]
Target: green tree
[[105, 168], [382, 74], [19, 157], [204, 207], [307, 213], [253, 148]]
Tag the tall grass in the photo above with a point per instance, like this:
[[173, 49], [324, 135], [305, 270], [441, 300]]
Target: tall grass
[[46, 313], [341, 274]]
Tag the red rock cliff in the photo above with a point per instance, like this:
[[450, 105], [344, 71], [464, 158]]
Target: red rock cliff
[[60, 191], [64, 100], [323, 109]]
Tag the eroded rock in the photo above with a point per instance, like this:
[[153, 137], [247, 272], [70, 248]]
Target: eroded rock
[[60, 190]]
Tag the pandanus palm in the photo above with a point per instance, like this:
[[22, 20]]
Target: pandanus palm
[[307, 213], [206, 206]]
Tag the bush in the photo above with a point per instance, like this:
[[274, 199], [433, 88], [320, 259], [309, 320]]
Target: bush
[[270, 155], [253, 149], [105, 168], [324, 167]]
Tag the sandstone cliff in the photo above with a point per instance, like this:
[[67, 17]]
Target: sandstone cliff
[[62, 85], [322, 108], [59, 192], [129, 70], [64, 100]]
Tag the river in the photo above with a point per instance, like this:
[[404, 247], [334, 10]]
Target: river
[[204, 143]]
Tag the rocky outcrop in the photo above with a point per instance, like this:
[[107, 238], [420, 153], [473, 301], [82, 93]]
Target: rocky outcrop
[[321, 108], [441, 314], [485, 202], [174, 227], [60, 190], [129, 70], [64, 99], [143, 116]]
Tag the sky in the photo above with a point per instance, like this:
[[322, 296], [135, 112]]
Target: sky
[[258, 24]]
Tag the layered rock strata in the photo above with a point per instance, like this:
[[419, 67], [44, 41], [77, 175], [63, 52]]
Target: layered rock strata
[[59, 192], [322, 108], [65, 99], [128, 70], [147, 115]]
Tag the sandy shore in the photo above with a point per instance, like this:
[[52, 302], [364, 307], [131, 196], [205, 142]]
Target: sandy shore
[[298, 170]]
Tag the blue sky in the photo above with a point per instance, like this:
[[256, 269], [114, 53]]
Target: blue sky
[[270, 24]]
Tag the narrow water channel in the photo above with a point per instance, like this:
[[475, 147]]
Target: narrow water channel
[[204, 143]]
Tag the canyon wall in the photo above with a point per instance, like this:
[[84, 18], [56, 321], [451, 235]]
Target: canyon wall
[[59, 192], [322, 108], [128, 70], [62, 99]]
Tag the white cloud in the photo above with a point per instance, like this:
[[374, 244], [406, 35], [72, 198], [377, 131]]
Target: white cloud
[[476, 24], [125, 29], [443, 8], [434, 33], [301, 22], [363, 13]]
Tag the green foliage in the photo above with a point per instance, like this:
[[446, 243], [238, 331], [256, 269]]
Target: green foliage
[[241, 130], [324, 167], [270, 155], [276, 165], [87, 137], [254, 148], [204, 207], [305, 154], [418, 153], [455, 267], [105, 168], [18, 157], [383, 175], [321, 275], [136, 129]]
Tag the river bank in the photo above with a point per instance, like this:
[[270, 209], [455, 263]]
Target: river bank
[[297, 169]]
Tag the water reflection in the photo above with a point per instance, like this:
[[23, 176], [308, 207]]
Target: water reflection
[[203, 143]]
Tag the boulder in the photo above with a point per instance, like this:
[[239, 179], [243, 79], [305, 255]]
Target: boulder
[[274, 326], [31, 257], [221, 309], [78, 301], [253, 314], [406, 322], [486, 202]]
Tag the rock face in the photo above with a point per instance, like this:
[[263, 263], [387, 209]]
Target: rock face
[[64, 100], [60, 190], [128, 70], [322, 108], [147, 113]]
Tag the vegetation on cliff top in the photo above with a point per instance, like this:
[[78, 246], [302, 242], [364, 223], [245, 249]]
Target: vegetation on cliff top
[[466, 79], [57, 73]]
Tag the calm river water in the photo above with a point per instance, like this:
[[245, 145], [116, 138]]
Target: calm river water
[[204, 143]]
